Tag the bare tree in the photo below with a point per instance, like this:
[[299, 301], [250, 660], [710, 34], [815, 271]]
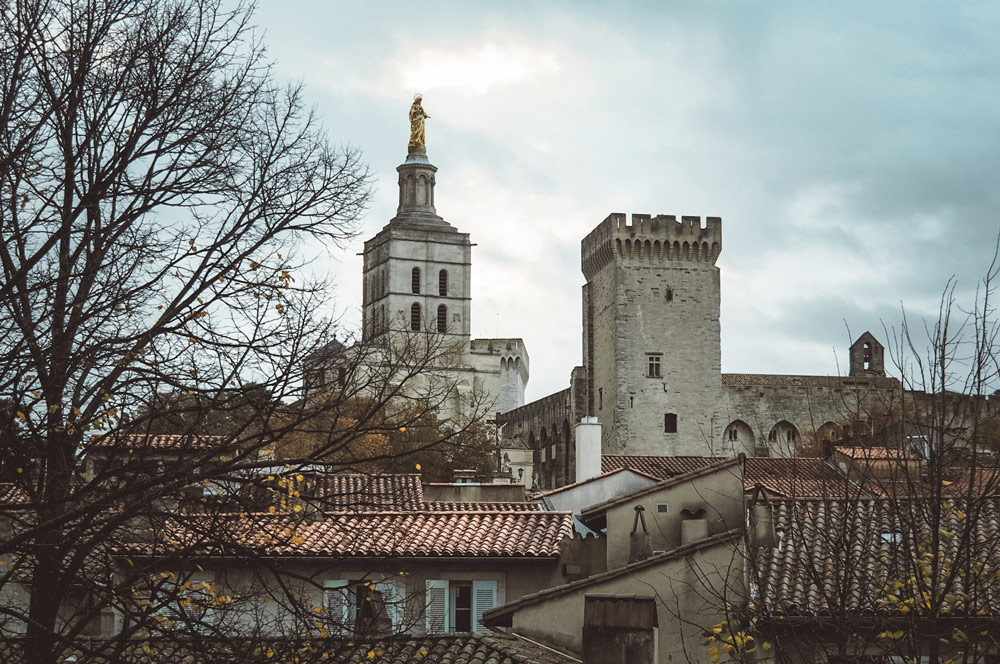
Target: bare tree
[[895, 556], [155, 182]]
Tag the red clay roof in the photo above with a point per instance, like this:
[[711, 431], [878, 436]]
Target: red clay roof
[[660, 467], [11, 494], [160, 441], [451, 648], [422, 534], [447, 506], [357, 492], [875, 453], [848, 555], [807, 476]]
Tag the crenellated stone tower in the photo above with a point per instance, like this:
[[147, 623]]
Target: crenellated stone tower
[[651, 334]]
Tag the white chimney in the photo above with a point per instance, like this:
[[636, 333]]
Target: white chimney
[[588, 449]]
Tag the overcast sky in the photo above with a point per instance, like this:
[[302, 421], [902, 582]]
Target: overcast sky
[[852, 150]]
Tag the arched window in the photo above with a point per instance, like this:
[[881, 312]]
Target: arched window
[[384, 286], [415, 280], [415, 316], [443, 283], [442, 318], [381, 318]]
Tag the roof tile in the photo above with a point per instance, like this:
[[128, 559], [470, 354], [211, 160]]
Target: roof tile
[[163, 441], [408, 534]]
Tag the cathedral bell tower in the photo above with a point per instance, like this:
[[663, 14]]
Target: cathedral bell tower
[[417, 269]]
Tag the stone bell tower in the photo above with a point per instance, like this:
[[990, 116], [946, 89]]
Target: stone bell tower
[[417, 269]]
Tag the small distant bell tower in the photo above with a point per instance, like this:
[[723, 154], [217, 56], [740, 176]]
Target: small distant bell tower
[[867, 357]]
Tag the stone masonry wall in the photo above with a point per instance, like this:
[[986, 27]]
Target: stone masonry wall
[[652, 334]]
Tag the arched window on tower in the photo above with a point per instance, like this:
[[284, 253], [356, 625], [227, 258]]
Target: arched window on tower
[[442, 318], [415, 316], [443, 283], [384, 286], [415, 280]]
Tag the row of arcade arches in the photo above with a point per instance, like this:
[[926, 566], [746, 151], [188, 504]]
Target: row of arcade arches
[[781, 439]]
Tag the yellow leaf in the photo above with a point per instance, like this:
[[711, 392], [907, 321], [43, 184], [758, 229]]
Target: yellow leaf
[[946, 483], [766, 645]]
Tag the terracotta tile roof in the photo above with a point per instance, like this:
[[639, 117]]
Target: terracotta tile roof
[[355, 492], [12, 495], [806, 476], [446, 506], [164, 441], [420, 534], [660, 467], [876, 453], [780, 380], [358, 492], [847, 555], [450, 648]]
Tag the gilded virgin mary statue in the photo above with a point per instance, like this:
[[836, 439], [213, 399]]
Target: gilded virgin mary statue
[[417, 117]]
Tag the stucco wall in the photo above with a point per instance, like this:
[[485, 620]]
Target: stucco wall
[[688, 590]]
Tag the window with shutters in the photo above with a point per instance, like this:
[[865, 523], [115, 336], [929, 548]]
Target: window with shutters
[[363, 607], [14, 598], [187, 605], [458, 606], [443, 283], [415, 281]]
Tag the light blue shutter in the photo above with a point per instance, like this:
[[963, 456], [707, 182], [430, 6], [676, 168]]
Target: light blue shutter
[[337, 600], [392, 600], [436, 609], [484, 598]]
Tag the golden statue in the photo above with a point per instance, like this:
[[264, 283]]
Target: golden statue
[[417, 116]]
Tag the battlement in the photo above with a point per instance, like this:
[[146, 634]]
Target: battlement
[[651, 239]]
